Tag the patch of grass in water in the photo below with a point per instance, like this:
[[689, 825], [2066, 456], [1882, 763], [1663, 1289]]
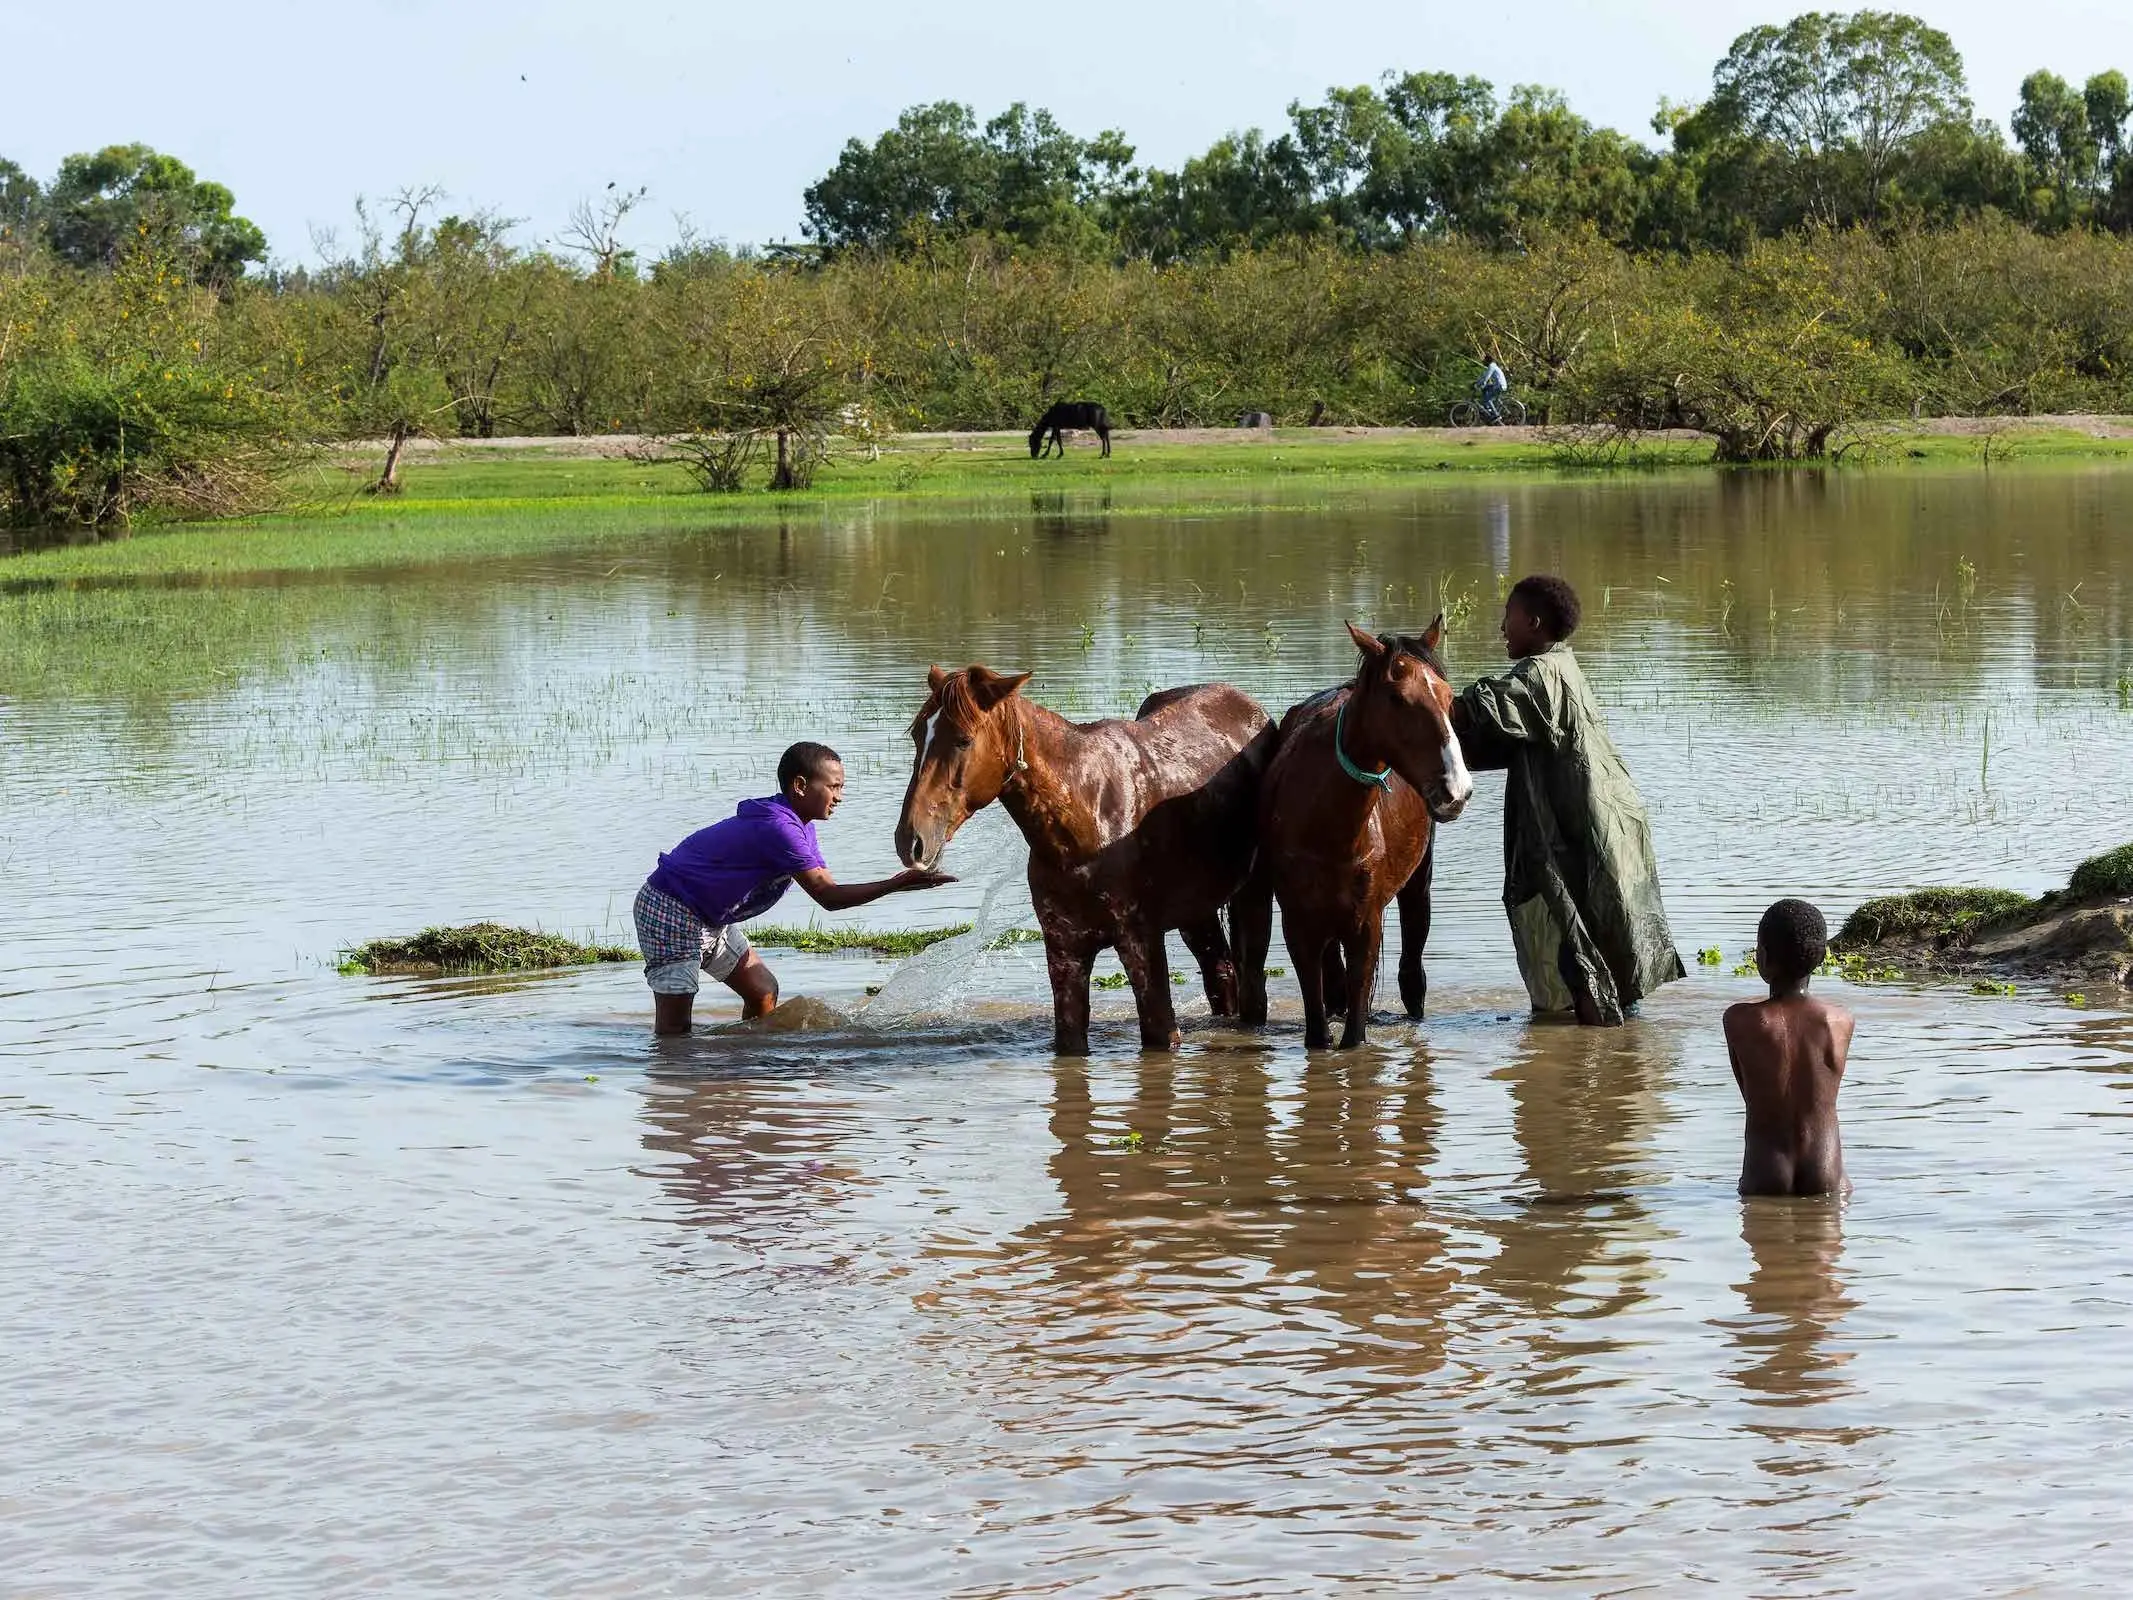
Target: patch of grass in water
[[1937, 916], [819, 941], [2108, 874], [476, 947]]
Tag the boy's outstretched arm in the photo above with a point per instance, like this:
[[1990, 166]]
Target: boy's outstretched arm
[[831, 895]]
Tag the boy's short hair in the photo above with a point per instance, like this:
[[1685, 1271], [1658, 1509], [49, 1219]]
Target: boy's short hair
[[1794, 940], [1552, 601], [804, 760]]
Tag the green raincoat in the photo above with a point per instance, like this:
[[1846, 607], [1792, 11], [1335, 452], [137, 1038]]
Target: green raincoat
[[1580, 881]]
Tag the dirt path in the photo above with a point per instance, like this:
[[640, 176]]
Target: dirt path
[[618, 445]]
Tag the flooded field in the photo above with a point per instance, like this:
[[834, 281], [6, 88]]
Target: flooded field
[[319, 1284]]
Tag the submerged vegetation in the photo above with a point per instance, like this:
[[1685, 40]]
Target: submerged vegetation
[[493, 947], [820, 941], [476, 947]]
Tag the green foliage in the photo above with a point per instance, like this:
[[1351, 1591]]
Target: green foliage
[[476, 947], [21, 205], [2108, 874], [1770, 357], [1023, 177], [1839, 100], [1931, 916], [842, 941], [99, 204], [119, 397]]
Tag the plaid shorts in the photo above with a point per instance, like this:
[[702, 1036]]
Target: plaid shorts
[[677, 944]]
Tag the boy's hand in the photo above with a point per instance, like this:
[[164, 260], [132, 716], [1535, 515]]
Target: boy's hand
[[920, 878]]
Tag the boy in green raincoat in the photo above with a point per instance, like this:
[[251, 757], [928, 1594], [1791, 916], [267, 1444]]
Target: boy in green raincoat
[[1580, 880]]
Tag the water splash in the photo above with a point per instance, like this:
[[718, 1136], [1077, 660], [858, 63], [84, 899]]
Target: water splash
[[932, 982]]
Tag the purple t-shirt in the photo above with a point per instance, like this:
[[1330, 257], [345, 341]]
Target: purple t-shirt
[[737, 869]]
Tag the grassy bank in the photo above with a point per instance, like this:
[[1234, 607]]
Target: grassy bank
[[468, 505]]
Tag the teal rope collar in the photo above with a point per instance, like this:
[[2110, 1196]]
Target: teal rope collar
[[1373, 780]]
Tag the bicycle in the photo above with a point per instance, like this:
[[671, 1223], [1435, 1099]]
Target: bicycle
[[1510, 413]]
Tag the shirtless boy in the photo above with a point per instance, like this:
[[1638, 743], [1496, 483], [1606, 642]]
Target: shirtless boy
[[1788, 1058]]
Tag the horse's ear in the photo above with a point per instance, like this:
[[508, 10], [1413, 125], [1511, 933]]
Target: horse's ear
[[1433, 635], [1370, 644], [936, 679], [993, 687]]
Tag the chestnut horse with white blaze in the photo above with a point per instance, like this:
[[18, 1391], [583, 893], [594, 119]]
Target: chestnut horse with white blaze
[[1134, 828], [1346, 819]]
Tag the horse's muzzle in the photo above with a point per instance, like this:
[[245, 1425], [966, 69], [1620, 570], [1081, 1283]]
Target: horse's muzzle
[[1446, 803], [917, 849]]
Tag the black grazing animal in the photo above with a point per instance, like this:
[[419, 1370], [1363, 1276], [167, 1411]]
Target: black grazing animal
[[1066, 414]]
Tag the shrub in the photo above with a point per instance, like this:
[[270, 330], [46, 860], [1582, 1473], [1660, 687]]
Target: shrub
[[116, 401]]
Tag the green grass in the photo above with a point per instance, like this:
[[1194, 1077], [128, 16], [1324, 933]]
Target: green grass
[[2108, 874], [1934, 916], [477, 947], [820, 941], [816, 941], [474, 505]]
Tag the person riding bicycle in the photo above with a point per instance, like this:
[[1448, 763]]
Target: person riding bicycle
[[1492, 388]]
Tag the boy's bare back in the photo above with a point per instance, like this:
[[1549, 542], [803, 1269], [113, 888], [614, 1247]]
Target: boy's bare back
[[1788, 1058]]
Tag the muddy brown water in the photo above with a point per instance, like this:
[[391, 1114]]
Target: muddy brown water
[[320, 1285]]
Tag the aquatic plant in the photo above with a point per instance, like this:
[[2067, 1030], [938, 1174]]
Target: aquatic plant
[[476, 947], [1853, 967], [1935, 916], [1713, 957], [2108, 874], [815, 940]]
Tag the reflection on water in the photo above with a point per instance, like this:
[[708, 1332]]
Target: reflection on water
[[1796, 1302], [465, 1287]]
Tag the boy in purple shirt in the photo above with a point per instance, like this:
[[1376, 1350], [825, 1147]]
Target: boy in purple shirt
[[690, 909]]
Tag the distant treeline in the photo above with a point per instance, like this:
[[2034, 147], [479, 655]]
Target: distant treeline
[[1831, 120], [1845, 243]]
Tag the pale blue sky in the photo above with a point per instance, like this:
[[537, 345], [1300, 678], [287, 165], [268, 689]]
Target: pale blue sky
[[728, 111]]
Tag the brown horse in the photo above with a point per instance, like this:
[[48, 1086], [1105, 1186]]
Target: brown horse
[[1345, 823], [1134, 828]]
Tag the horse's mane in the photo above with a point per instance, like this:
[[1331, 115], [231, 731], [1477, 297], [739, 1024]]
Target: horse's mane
[[1415, 645], [954, 698]]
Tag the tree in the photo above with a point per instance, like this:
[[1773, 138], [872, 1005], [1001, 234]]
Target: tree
[[2109, 102], [1433, 159], [595, 231], [1022, 176], [753, 360], [2052, 126], [1842, 96], [99, 203], [119, 397], [1244, 190], [21, 204]]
